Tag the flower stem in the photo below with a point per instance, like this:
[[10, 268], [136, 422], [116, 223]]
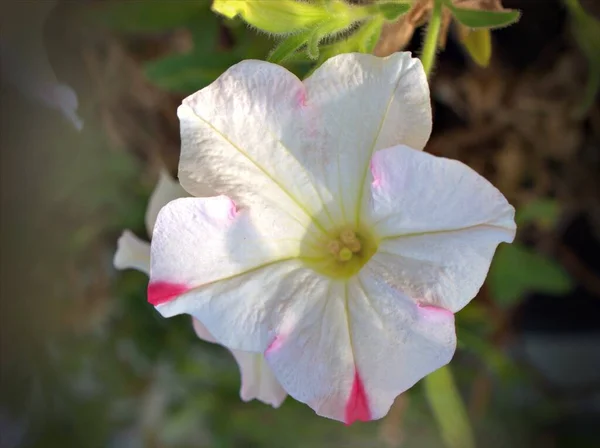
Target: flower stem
[[431, 38]]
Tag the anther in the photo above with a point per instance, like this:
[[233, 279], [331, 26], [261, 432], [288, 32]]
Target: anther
[[354, 246], [348, 236], [334, 247]]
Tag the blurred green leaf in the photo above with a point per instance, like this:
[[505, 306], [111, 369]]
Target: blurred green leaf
[[477, 18], [491, 356], [146, 15], [586, 29], [190, 72], [448, 409], [517, 270], [478, 44], [392, 10], [544, 212], [205, 32]]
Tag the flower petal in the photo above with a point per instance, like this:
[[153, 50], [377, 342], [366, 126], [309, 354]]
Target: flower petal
[[416, 192], [213, 262], [395, 342], [258, 381], [353, 352], [132, 253], [262, 136], [363, 104], [439, 223], [202, 332], [167, 189], [442, 269]]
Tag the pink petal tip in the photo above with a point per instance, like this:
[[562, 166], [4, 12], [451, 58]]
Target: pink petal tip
[[357, 406], [163, 292]]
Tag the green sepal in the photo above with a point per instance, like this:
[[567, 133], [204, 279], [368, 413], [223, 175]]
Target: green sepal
[[288, 46], [478, 43]]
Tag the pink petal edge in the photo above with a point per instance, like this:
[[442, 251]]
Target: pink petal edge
[[163, 292], [274, 345], [434, 312]]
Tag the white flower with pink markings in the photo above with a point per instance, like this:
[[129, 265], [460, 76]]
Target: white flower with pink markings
[[336, 247]]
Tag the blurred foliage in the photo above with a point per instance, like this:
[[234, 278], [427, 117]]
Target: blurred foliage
[[541, 212], [586, 29], [448, 409], [309, 33], [146, 15], [517, 271]]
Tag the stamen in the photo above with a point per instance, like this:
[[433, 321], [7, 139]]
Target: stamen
[[343, 253], [348, 236], [334, 247], [354, 246]]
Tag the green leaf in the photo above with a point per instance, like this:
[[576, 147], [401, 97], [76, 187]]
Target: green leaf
[[146, 15], [478, 44], [286, 48], [392, 10], [477, 18], [188, 72], [517, 270], [448, 409], [544, 212]]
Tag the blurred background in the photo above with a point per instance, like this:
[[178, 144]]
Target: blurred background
[[86, 362]]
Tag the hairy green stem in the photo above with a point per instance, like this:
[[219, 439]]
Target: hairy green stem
[[431, 37]]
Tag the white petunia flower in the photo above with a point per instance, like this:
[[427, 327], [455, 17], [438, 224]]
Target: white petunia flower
[[24, 59], [258, 382], [337, 248]]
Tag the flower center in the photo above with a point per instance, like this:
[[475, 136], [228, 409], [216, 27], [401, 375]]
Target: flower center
[[342, 255]]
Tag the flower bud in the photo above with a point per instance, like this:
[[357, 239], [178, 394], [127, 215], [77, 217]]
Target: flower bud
[[276, 17]]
